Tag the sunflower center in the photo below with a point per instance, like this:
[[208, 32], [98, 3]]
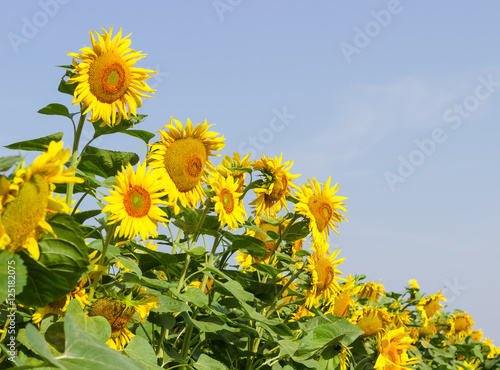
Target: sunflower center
[[325, 272], [109, 77], [137, 202], [184, 161], [227, 201], [460, 324], [22, 215], [321, 209]]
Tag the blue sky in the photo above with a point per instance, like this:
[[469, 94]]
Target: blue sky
[[396, 100]]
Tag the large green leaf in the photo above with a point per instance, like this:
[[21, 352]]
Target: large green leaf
[[208, 363], [140, 350], [55, 110], [145, 136], [105, 163], [97, 326], [39, 145], [63, 262], [122, 126], [13, 275]]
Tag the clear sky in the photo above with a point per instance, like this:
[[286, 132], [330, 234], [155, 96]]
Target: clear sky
[[398, 101]]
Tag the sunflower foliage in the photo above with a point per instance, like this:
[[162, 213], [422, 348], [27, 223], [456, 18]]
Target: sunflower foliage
[[186, 260]]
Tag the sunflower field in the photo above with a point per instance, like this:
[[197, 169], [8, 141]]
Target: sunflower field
[[110, 262]]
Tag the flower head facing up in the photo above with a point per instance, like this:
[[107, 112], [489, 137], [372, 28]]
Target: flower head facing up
[[228, 205], [393, 346], [108, 83], [134, 202], [321, 207], [182, 157], [271, 198]]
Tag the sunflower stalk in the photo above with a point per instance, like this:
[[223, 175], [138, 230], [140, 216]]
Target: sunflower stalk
[[107, 241], [74, 156]]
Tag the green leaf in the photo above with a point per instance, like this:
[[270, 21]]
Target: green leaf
[[105, 163], [208, 363], [96, 326], [145, 136], [39, 145], [140, 350], [8, 162], [267, 268], [122, 126], [83, 351], [55, 110], [81, 217], [168, 304], [129, 264], [298, 230], [13, 275], [37, 342], [192, 295], [63, 262], [250, 245]]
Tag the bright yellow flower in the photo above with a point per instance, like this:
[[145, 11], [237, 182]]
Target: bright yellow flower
[[476, 335], [108, 83], [494, 351], [325, 281], [468, 365], [321, 207], [460, 324], [228, 205], [271, 198], [344, 300], [302, 311], [182, 158], [371, 290], [134, 202], [371, 320], [227, 167], [26, 201], [392, 347], [413, 284], [430, 306]]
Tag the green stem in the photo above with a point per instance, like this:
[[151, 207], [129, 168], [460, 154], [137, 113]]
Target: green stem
[[160, 340], [109, 237], [74, 157]]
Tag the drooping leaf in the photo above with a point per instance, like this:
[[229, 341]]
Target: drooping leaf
[[145, 136], [55, 110], [39, 145], [105, 163]]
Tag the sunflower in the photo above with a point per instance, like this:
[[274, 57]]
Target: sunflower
[[344, 300], [277, 179], [430, 306], [371, 290], [228, 205], [182, 157], [371, 320], [321, 207], [460, 324], [60, 306], [229, 166], [134, 202], [322, 267], [469, 365], [26, 200], [108, 83], [413, 284], [119, 310], [393, 346]]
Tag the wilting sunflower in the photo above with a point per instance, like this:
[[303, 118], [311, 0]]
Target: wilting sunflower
[[228, 205], [134, 202], [325, 282], [119, 311], [271, 197], [182, 158], [108, 83], [321, 207], [430, 306], [26, 201], [393, 346], [371, 290], [371, 320], [460, 324], [228, 167]]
